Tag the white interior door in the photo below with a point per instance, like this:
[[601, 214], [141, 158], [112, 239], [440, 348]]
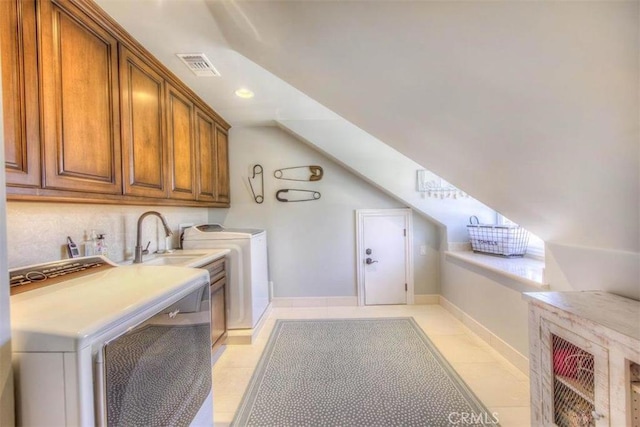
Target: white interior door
[[384, 256]]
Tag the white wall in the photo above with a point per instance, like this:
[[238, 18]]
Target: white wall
[[37, 232], [570, 267], [488, 299], [311, 244], [388, 170], [531, 107]]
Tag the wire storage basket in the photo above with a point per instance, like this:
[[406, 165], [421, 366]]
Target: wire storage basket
[[503, 240]]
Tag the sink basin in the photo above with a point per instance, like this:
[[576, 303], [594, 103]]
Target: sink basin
[[170, 260], [180, 255], [183, 258]]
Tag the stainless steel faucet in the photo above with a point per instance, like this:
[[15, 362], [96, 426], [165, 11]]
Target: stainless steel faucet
[[139, 251]]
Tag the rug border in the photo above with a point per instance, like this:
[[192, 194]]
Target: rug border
[[249, 395]]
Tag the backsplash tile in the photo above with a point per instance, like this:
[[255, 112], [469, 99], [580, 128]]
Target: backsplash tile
[[37, 232]]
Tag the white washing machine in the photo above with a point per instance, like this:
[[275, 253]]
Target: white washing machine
[[248, 286]]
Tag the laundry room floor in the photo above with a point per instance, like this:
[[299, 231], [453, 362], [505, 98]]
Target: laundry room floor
[[502, 387]]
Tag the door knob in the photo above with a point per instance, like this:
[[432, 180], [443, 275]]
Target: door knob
[[369, 261]]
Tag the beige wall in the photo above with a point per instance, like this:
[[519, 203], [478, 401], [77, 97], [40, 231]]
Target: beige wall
[[312, 244]]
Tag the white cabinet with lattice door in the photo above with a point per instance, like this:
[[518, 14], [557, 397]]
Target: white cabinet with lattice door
[[584, 359]]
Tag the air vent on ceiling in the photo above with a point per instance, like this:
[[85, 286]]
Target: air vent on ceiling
[[199, 64]]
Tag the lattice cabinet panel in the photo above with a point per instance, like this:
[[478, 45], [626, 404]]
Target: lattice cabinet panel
[[576, 371], [573, 384]]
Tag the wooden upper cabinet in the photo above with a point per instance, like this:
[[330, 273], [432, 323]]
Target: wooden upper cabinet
[[222, 163], [207, 168], [79, 103], [181, 145], [20, 92], [143, 127], [90, 116]]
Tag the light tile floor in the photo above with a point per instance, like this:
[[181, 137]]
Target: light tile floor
[[499, 385]]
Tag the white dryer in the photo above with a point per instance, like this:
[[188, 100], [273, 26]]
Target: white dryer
[[248, 284]]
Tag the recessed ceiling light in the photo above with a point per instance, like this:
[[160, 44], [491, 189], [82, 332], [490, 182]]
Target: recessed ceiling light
[[244, 93]]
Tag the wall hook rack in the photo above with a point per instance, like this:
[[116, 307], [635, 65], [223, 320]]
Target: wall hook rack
[[257, 170], [300, 173], [297, 195], [432, 185]]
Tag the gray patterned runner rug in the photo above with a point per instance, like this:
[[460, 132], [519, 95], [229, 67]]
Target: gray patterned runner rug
[[356, 372]]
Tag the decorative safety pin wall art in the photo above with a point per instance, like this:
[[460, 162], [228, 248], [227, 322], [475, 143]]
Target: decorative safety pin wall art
[[297, 195], [257, 170], [300, 173], [309, 173]]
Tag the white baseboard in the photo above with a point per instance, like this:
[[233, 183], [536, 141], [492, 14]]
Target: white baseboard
[[511, 354], [314, 301], [427, 299], [451, 308], [289, 302], [342, 301]]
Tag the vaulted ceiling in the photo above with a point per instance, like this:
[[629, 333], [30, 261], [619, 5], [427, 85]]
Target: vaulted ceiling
[[531, 107]]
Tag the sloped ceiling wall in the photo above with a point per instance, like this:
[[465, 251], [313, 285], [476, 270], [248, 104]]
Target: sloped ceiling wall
[[531, 107]]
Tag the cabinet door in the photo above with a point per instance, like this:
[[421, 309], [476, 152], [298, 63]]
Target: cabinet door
[[222, 163], [20, 92], [79, 107], [218, 313], [207, 168], [180, 145], [575, 378], [143, 129]]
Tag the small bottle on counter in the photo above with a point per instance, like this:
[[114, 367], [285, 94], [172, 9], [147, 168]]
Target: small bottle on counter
[[91, 243], [102, 247]]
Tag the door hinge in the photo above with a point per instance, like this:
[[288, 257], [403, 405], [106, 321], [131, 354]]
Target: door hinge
[[405, 287], [405, 232]]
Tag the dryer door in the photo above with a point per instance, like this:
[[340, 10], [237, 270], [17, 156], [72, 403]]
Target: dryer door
[[159, 373]]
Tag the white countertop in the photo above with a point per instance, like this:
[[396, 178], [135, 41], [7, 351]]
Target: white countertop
[[68, 315]]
